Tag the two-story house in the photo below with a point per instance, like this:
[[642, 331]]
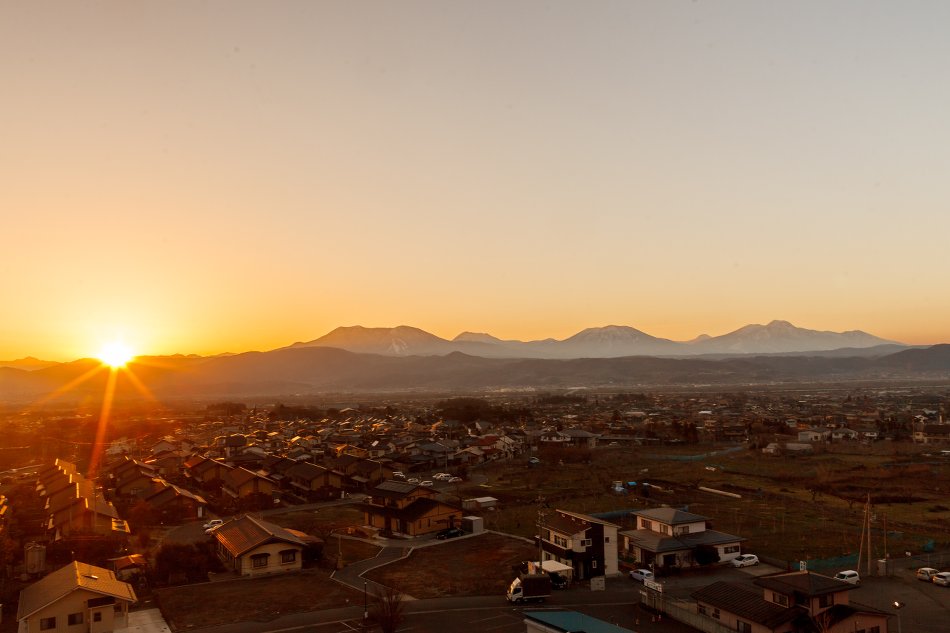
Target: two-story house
[[77, 598], [667, 537], [586, 543], [401, 507], [788, 602]]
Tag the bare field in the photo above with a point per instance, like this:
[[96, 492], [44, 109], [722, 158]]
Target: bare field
[[258, 599], [791, 507], [473, 566]]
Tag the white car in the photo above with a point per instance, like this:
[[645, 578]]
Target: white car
[[427, 482], [745, 560], [412, 480], [849, 576], [455, 480], [927, 573], [442, 476], [212, 525], [942, 579], [641, 575]]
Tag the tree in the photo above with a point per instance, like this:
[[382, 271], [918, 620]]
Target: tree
[[388, 609]]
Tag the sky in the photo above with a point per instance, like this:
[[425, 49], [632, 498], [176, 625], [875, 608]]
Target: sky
[[207, 177]]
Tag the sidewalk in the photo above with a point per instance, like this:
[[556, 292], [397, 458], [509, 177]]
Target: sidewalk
[[352, 575]]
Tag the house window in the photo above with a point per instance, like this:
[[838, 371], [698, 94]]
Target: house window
[[779, 598], [47, 623], [288, 556], [606, 539], [74, 618], [683, 529], [646, 525], [730, 549], [585, 542], [715, 612], [743, 627], [593, 564], [826, 600], [701, 609], [259, 560], [664, 529], [97, 616]]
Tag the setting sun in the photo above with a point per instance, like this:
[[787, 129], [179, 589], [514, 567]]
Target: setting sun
[[115, 354]]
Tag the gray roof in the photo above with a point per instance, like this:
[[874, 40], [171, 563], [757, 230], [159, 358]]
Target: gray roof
[[660, 543], [670, 516]]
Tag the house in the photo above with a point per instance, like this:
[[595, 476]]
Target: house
[[932, 433], [788, 602], [252, 547], [175, 504], [587, 544], [814, 435], [313, 482], [667, 537], [241, 482], [77, 598], [401, 507]]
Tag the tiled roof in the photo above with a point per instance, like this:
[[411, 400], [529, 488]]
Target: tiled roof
[[747, 603], [245, 533], [66, 580], [803, 582]]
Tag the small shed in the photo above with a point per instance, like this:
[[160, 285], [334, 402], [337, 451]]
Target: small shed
[[480, 503], [473, 525]]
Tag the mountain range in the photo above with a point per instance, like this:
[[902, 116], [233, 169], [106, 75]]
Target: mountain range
[[407, 359], [612, 341]]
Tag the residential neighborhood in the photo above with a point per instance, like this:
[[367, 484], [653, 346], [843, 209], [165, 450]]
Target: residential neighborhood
[[409, 473]]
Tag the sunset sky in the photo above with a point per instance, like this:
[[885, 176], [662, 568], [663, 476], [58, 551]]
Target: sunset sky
[[203, 177]]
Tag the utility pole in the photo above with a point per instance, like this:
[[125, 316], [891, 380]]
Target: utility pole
[[542, 514]]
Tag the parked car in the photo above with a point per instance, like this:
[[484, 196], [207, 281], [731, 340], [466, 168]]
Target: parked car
[[942, 579], [212, 525], [534, 461], [557, 580], [427, 482], [442, 476], [413, 480], [745, 560], [641, 575], [849, 576], [398, 474], [927, 574], [455, 480], [451, 532]]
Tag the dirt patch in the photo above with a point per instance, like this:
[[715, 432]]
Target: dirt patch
[[475, 566], [259, 599]]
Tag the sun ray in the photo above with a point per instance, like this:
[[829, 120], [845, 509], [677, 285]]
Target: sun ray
[[72, 384], [104, 413]]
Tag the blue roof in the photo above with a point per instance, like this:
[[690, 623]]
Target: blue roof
[[574, 622]]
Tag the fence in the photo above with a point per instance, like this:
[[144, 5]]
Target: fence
[[681, 611]]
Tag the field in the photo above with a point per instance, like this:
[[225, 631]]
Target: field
[[473, 566], [791, 508], [259, 599]]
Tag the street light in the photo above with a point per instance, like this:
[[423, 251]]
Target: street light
[[898, 605], [365, 603]]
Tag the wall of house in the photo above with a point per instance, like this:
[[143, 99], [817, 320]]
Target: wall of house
[[75, 603], [274, 564]]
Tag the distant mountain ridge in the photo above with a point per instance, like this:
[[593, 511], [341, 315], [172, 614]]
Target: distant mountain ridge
[[611, 341], [304, 371]]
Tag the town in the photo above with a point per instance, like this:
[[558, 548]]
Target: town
[[784, 511]]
